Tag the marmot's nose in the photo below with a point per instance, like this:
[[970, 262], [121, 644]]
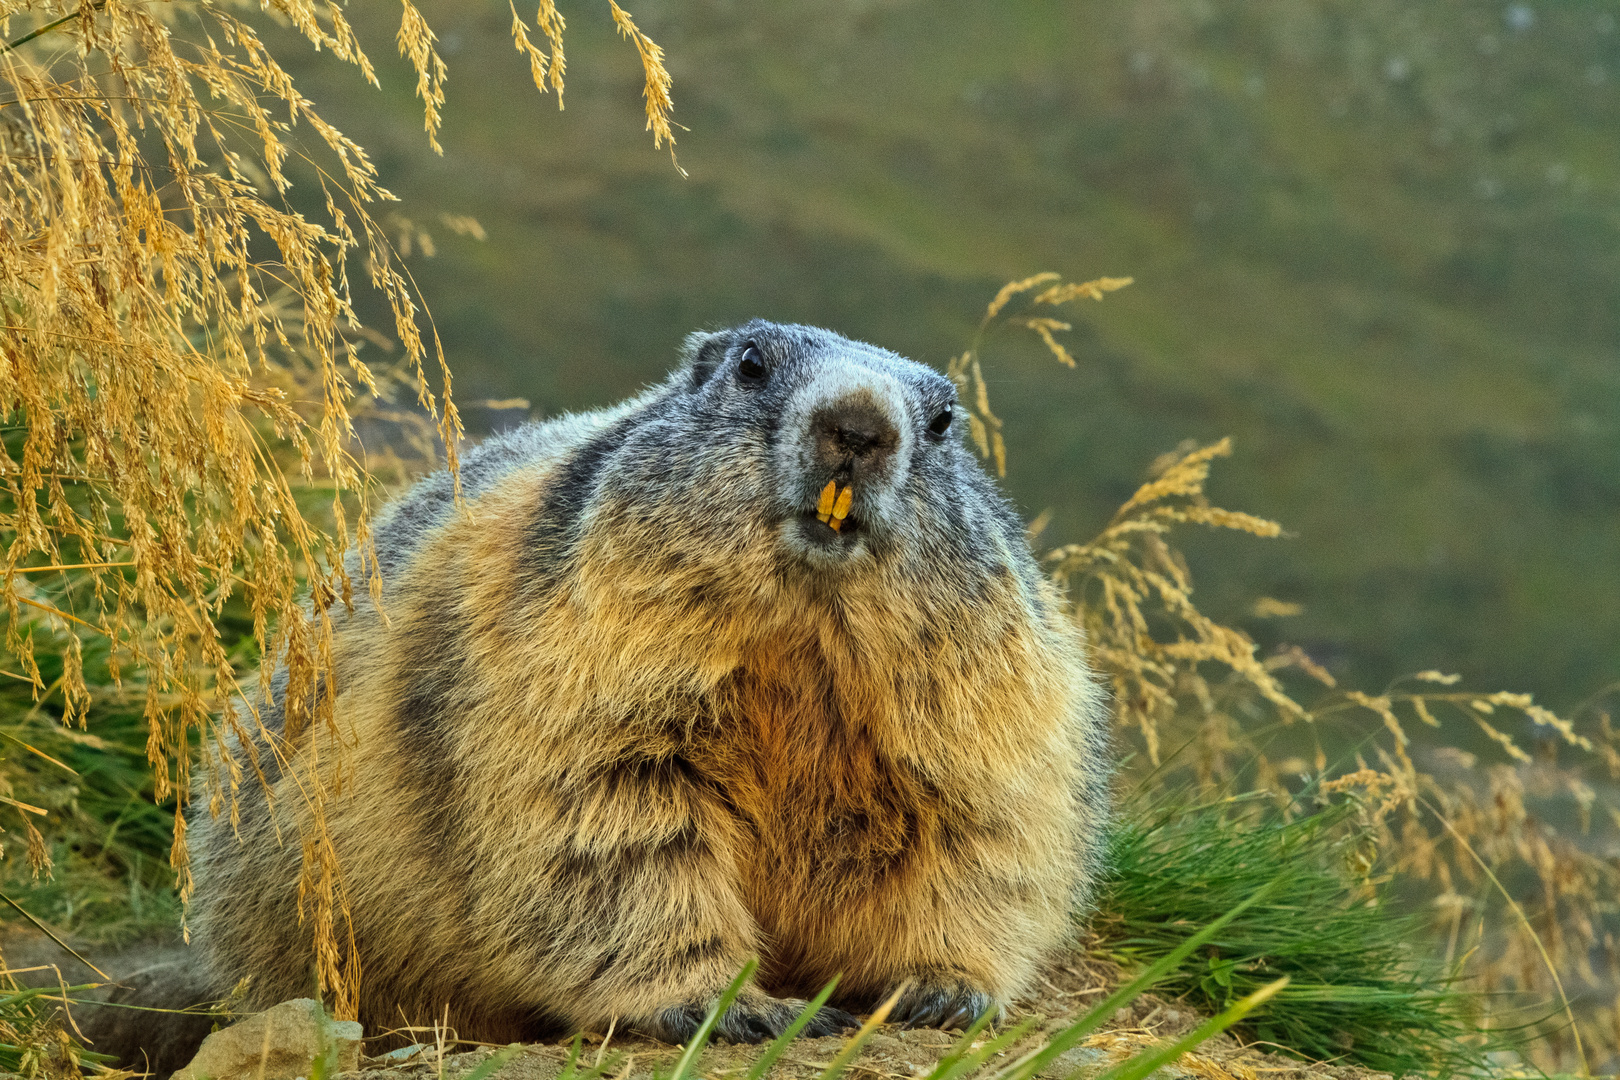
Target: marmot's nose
[[855, 433]]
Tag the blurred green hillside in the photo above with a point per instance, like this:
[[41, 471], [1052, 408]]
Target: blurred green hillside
[[1376, 242]]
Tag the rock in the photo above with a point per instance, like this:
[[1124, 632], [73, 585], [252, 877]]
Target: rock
[[277, 1044], [403, 1056], [1078, 1062]]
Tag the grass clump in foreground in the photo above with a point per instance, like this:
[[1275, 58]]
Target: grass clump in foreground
[[1356, 991]]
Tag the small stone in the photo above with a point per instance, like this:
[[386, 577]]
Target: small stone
[[1081, 1061], [399, 1057], [280, 1043]]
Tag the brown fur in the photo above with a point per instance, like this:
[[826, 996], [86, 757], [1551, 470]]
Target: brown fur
[[680, 754]]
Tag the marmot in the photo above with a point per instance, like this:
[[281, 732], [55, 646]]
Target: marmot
[[756, 663]]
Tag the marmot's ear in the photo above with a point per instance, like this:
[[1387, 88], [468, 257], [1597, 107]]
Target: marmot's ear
[[701, 353]]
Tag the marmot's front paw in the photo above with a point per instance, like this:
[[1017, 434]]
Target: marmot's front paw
[[827, 1020], [752, 1018], [940, 1002]]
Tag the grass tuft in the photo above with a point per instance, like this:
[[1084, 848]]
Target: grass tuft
[[1356, 991]]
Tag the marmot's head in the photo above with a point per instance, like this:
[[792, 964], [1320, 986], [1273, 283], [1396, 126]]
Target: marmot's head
[[855, 435], [780, 447]]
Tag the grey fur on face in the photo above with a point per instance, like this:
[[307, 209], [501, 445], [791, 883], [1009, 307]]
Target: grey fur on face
[[817, 385]]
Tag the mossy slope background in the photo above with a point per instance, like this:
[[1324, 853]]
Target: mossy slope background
[[1378, 243]]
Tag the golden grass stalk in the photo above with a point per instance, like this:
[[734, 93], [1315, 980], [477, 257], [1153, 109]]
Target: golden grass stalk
[[656, 91], [984, 425], [551, 24], [180, 370], [1473, 835]]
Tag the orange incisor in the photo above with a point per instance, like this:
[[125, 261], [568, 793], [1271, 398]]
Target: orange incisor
[[833, 505]]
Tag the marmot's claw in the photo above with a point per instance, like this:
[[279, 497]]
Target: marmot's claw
[[941, 1005], [829, 1021], [745, 1025], [752, 1020]]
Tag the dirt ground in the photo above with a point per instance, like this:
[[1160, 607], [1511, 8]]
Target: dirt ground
[[1068, 987], [1071, 986]]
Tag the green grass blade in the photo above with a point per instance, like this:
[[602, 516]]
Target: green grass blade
[[873, 1022], [495, 1061], [606, 1066], [570, 1068], [605, 1063], [1141, 1065], [972, 1061], [21, 996], [695, 1045], [774, 1051], [942, 1068], [1033, 1062], [326, 1050]]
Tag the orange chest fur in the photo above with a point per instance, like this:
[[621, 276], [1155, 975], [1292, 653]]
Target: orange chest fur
[[830, 812]]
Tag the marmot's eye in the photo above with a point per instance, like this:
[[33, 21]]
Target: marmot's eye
[[752, 364], [940, 424]]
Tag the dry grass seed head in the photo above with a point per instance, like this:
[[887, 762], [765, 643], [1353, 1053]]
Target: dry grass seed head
[[656, 90], [551, 24], [1180, 678], [180, 369]]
